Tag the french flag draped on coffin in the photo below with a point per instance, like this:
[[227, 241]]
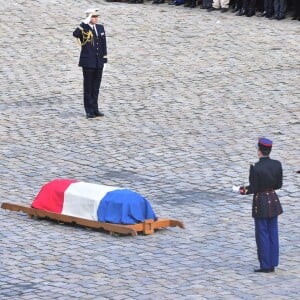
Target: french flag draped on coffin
[[93, 202]]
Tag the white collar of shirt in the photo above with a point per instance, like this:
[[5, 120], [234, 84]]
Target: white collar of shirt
[[94, 27]]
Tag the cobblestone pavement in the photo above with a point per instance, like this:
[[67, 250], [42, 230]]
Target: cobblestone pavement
[[186, 93]]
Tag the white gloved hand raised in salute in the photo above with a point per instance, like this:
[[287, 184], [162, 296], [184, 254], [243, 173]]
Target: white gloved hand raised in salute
[[87, 19], [89, 13]]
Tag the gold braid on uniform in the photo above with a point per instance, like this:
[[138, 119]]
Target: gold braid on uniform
[[86, 37]]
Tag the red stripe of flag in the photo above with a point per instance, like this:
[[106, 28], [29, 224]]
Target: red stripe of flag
[[51, 195]]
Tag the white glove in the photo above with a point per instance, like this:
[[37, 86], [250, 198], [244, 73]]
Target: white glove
[[104, 67], [236, 189], [87, 19]]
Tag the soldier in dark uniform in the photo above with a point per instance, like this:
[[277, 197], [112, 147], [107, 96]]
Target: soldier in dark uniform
[[296, 15], [237, 5], [93, 56], [248, 8], [268, 11], [265, 177]]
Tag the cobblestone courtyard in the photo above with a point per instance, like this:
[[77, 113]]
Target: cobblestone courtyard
[[186, 94]]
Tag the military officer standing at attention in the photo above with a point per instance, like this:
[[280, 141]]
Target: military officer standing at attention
[[265, 177], [93, 56]]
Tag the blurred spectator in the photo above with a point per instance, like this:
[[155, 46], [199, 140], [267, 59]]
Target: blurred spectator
[[190, 3], [237, 5], [248, 8], [222, 5], [296, 11], [279, 9], [206, 4], [268, 9], [178, 2]]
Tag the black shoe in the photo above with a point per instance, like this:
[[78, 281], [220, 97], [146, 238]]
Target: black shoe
[[241, 12], [263, 270], [281, 18], [90, 116], [224, 10], [273, 17], [235, 9], [212, 9], [250, 14], [99, 114], [262, 14]]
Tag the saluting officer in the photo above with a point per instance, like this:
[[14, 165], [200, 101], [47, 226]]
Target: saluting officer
[[265, 177], [93, 56]]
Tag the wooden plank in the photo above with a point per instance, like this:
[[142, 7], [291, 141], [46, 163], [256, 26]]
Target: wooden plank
[[117, 228], [147, 227]]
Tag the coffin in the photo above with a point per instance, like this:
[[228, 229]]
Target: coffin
[[116, 210], [94, 202]]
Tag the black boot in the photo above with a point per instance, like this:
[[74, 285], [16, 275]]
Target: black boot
[[187, 3], [193, 4], [241, 12]]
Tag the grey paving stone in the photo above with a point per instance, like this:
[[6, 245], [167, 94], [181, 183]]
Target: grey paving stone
[[186, 93]]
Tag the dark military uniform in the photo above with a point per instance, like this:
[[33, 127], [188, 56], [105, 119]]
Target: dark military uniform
[[265, 177], [269, 8], [93, 56], [248, 8], [279, 9], [296, 15]]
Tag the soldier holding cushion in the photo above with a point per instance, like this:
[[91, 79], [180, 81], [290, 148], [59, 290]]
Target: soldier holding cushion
[[265, 177]]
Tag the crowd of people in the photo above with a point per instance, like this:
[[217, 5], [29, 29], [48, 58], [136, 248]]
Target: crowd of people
[[271, 9]]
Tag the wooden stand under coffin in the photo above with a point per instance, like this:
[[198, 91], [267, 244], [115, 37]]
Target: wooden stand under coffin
[[146, 227]]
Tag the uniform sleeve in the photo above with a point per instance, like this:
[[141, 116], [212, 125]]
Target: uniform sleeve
[[253, 181], [279, 176], [104, 47], [78, 31]]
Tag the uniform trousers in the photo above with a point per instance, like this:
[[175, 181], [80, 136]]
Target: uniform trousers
[[296, 8], [91, 85], [238, 4], [279, 8], [249, 5], [267, 241], [206, 3], [220, 4], [269, 8]]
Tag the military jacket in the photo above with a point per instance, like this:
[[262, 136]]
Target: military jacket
[[93, 48], [265, 177]]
